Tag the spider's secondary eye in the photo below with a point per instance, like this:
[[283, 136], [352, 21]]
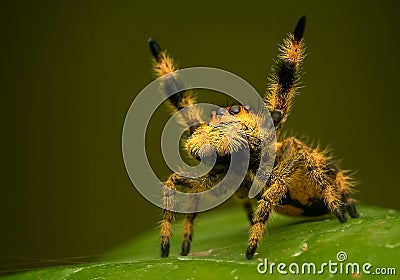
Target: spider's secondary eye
[[221, 112], [276, 116], [247, 108], [235, 109]]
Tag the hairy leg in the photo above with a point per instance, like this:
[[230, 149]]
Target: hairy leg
[[344, 184], [187, 233], [284, 80], [165, 68], [168, 216], [177, 182], [275, 190], [174, 182], [327, 179]]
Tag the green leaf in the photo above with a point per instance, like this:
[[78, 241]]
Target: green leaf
[[220, 241]]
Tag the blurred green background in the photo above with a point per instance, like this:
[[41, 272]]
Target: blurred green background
[[70, 70]]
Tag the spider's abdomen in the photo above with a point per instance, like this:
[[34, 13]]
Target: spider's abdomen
[[313, 206], [302, 198]]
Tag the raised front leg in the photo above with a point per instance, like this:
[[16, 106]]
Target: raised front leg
[[284, 80]]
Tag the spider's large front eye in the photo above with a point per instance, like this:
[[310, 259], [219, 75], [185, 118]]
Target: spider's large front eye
[[235, 109]]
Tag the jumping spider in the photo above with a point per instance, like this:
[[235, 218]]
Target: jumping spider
[[304, 181]]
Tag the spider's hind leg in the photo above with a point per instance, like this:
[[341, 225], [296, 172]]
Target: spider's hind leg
[[344, 184], [329, 180]]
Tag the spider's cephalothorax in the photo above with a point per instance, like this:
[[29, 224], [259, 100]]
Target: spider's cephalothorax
[[304, 181]]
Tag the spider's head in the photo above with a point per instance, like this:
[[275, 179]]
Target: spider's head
[[230, 129]]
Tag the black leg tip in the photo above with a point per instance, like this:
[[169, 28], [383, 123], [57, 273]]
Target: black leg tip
[[250, 252], [340, 215], [154, 48], [353, 211], [164, 250], [185, 248], [355, 215], [299, 29]]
